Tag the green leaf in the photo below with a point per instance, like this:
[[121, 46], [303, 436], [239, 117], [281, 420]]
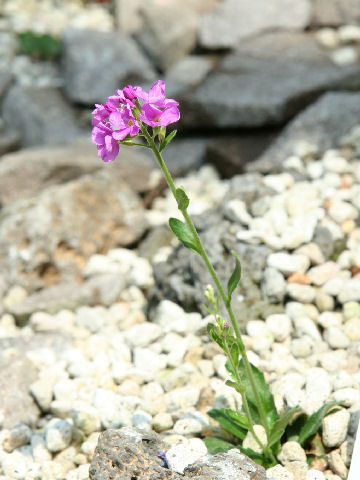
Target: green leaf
[[181, 198], [167, 140], [234, 353], [258, 458], [211, 331], [266, 397], [237, 386], [233, 422], [294, 428], [235, 276], [313, 423], [279, 426], [37, 45], [217, 445], [184, 234]]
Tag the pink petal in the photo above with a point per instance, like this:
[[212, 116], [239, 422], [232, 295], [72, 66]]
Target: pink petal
[[157, 93]]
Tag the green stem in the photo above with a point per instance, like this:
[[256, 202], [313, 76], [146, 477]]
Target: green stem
[[224, 297]]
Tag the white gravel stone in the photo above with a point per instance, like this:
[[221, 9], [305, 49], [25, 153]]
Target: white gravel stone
[[349, 33], [287, 263], [142, 420], [180, 456], [279, 325], [323, 273], [17, 436], [178, 377], [58, 435], [86, 418], [334, 428], [113, 413], [344, 56], [301, 293], [250, 442], [219, 361], [352, 329], [302, 347], [343, 379], [188, 426], [181, 399], [141, 273], [317, 389], [273, 285], [337, 464], [347, 397], [162, 421], [148, 362], [340, 211], [330, 319], [336, 338], [350, 291], [142, 335], [236, 211], [291, 451], [351, 310], [313, 252], [278, 472], [305, 326], [314, 474], [173, 318]]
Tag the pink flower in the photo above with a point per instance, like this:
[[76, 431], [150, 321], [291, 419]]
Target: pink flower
[[125, 124], [157, 109], [102, 112], [108, 147]]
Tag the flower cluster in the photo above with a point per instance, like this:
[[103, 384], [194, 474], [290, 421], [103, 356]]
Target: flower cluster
[[124, 113]]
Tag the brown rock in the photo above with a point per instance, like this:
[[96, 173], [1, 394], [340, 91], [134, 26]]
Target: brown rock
[[52, 235], [301, 278]]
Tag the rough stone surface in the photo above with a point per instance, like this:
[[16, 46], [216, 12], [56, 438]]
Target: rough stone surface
[[168, 32], [336, 12], [234, 20], [323, 123], [258, 86], [86, 60], [101, 289], [57, 245], [28, 171], [49, 119], [129, 453]]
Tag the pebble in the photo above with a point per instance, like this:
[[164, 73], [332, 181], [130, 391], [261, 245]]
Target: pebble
[[279, 473], [347, 397], [250, 442], [317, 389], [17, 436], [287, 263], [301, 293], [182, 455], [162, 421], [335, 428], [290, 452], [58, 434], [279, 325], [336, 338]]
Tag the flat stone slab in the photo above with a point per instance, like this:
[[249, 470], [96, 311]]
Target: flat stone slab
[[265, 82]]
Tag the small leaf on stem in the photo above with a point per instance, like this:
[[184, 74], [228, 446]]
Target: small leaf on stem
[[231, 421], [181, 198], [279, 426], [167, 140], [235, 277], [217, 445], [184, 234]]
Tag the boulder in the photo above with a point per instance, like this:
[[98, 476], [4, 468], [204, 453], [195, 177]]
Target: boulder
[[102, 289], [265, 82], [230, 154], [40, 116], [26, 172], [133, 453], [336, 12], [323, 123], [97, 63], [47, 238], [168, 32], [234, 20]]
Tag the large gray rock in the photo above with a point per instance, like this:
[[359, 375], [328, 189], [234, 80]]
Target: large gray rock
[[28, 171], [47, 238], [130, 453], [230, 153], [97, 63], [234, 20], [184, 276], [99, 290], [41, 116], [324, 124], [168, 32], [336, 12], [265, 82]]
